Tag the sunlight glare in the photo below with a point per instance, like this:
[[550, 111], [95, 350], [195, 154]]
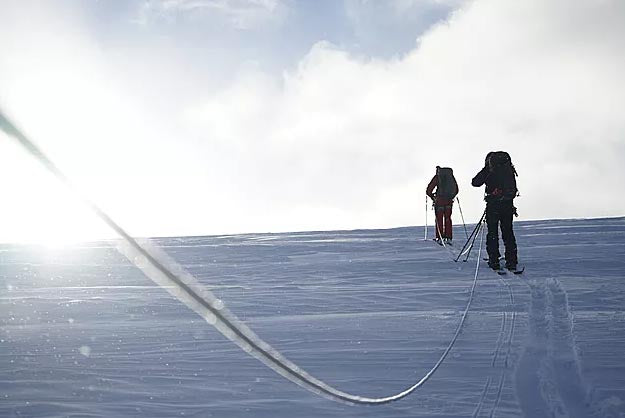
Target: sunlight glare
[[37, 208]]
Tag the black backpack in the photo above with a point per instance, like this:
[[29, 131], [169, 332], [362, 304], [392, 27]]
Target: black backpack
[[503, 170], [447, 186]]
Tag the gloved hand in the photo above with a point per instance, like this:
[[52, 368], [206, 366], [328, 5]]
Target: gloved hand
[[487, 161]]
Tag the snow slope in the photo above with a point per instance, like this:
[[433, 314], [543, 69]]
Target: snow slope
[[84, 333]]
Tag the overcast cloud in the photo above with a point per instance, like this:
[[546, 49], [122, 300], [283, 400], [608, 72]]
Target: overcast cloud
[[323, 127]]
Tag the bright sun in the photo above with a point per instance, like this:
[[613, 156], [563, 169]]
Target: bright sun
[[63, 226], [55, 225], [36, 208]]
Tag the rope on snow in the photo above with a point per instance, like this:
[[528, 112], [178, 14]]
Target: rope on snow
[[184, 287]]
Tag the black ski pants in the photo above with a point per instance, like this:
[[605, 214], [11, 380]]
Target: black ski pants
[[499, 215]]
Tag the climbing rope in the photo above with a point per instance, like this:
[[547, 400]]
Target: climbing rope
[[184, 287]]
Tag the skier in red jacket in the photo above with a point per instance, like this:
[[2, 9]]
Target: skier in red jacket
[[443, 198]]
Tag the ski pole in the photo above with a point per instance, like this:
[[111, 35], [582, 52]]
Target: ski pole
[[473, 242], [477, 226], [473, 233], [425, 232], [467, 252], [462, 216]]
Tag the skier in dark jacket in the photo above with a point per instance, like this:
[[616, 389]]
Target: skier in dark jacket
[[499, 176], [446, 190]]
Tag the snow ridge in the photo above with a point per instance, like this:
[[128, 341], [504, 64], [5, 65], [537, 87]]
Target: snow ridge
[[548, 376]]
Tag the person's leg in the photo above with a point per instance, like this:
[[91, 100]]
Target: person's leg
[[448, 226], [507, 234], [439, 221], [492, 236]]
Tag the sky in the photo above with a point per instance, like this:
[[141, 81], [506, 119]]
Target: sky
[[197, 117]]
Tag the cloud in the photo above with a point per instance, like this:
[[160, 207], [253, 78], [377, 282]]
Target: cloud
[[339, 140], [539, 79], [239, 14]]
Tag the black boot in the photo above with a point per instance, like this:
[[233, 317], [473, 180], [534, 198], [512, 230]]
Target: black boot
[[511, 265], [494, 264]]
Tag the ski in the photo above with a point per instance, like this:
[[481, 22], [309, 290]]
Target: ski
[[518, 270], [500, 271], [503, 271]]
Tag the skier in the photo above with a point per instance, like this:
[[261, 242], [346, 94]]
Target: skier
[[499, 175], [446, 190]]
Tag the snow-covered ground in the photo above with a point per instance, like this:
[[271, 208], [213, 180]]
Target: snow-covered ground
[[85, 333]]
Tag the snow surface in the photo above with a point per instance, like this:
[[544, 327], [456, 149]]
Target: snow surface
[[85, 333]]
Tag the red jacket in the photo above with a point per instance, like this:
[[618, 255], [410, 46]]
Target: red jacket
[[430, 192]]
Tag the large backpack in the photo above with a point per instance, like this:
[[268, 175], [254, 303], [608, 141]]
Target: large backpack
[[503, 170], [447, 186]]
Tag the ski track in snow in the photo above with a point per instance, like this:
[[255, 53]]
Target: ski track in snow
[[508, 347], [506, 335], [549, 370]]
